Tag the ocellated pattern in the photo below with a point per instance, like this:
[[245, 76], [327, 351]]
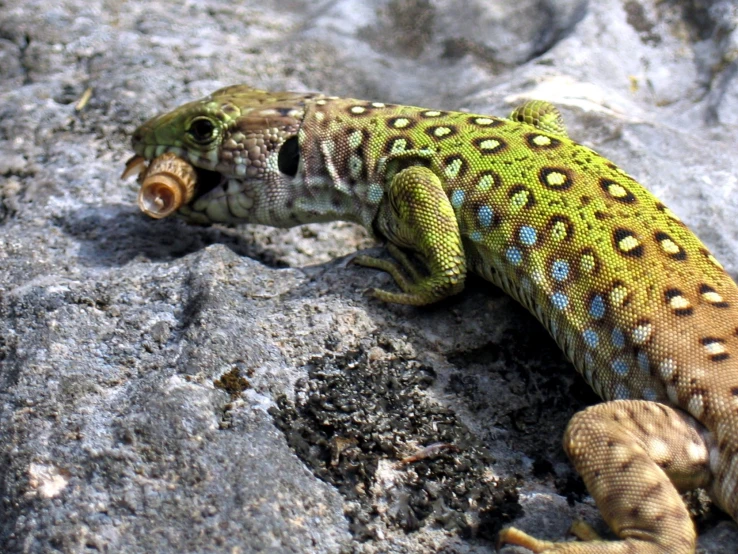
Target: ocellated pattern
[[637, 302]]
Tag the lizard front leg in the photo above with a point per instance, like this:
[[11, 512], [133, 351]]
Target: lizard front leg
[[417, 214]]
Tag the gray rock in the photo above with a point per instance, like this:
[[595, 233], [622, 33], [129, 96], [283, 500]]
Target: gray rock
[[167, 388]]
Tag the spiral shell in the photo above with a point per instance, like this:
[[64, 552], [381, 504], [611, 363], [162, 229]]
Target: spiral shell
[[167, 185]]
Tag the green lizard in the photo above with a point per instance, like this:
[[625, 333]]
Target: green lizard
[[646, 314]]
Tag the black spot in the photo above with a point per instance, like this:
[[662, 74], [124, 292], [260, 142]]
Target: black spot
[[530, 139], [501, 145], [602, 216], [705, 289], [455, 159], [660, 236], [365, 111], [628, 198], [706, 341], [590, 253], [288, 159], [389, 144], [621, 234], [529, 199], [496, 179], [554, 225], [495, 122], [734, 391], [392, 122], [444, 131], [438, 114], [627, 300], [673, 293], [550, 177]]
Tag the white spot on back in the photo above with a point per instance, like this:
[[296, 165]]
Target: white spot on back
[[678, 302], [696, 406], [714, 348], [667, 367], [355, 139], [658, 449], [641, 333], [697, 453]]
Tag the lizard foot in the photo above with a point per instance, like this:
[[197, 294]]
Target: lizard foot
[[592, 542], [417, 289]]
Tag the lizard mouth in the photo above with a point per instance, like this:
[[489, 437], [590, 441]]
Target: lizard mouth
[[169, 183]]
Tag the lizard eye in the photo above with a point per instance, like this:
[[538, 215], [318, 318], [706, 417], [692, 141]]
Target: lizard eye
[[202, 130], [289, 157]]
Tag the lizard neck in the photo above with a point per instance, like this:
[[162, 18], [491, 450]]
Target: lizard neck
[[335, 180]]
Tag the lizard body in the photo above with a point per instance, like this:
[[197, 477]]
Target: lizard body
[[646, 314]]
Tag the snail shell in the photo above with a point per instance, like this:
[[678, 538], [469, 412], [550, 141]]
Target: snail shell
[[167, 185]]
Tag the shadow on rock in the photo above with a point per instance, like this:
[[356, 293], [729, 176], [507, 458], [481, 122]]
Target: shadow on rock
[[115, 235]]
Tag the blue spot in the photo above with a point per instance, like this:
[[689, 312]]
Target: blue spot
[[560, 270], [528, 235], [514, 255], [588, 360], [375, 193], [618, 338], [457, 198], [597, 307], [485, 215], [476, 236], [620, 393], [591, 338], [620, 366], [643, 362], [649, 394], [560, 300]]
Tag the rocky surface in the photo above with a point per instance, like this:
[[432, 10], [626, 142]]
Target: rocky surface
[[175, 389]]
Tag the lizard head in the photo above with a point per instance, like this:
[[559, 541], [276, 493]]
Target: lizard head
[[242, 144]]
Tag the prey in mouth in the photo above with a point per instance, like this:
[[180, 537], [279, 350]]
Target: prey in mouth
[[168, 183]]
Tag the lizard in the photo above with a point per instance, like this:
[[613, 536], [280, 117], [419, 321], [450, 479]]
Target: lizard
[[640, 306]]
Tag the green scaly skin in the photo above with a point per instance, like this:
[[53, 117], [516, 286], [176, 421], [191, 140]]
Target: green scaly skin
[[643, 310]]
